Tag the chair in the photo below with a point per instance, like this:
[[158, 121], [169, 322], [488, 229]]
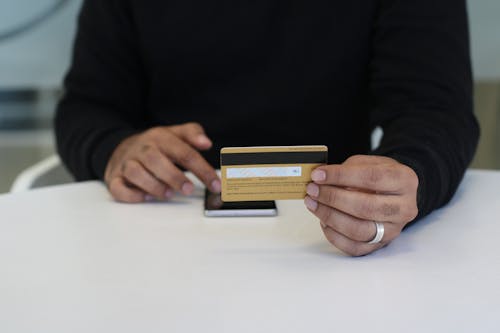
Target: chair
[[376, 137], [49, 171]]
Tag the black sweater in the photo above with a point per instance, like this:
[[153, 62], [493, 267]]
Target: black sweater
[[276, 72]]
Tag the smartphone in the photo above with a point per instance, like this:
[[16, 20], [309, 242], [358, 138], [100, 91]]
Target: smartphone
[[214, 207]]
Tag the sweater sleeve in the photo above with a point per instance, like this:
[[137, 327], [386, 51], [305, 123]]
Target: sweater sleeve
[[422, 89], [103, 90]]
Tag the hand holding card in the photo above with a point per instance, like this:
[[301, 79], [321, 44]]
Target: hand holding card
[[268, 173]]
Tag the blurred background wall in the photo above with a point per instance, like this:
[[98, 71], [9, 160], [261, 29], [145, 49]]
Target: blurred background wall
[[35, 46], [485, 41], [34, 58]]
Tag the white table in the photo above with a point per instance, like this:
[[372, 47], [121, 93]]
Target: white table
[[72, 260]]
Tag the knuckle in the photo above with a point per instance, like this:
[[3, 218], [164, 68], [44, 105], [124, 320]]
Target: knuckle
[[367, 209], [409, 177], [123, 196], [206, 174], [175, 182], [394, 172], [354, 158], [158, 189], [414, 183], [153, 133], [108, 177], [372, 176], [144, 148], [387, 209], [114, 191], [335, 174], [329, 236], [359, 231], [411, 213], [150, 156], [131, 170], [172, 177], [331, 196], [157, 134], [325, 214], [193, 125], [188, 157]]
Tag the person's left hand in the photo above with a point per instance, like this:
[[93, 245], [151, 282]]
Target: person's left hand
[[349, 197]]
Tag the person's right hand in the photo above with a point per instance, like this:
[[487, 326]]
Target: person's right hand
[[145, 166]]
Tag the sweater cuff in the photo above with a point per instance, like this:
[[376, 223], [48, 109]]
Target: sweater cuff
[[106, 146]]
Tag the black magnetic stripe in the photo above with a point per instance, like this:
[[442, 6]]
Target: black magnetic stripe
[[284, 157]]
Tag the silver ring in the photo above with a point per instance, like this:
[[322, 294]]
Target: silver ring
[[379, 235]]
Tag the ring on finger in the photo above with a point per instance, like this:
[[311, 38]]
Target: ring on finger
[[379, 234]]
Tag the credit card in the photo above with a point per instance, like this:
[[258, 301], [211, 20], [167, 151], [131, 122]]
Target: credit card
[[268, 173]]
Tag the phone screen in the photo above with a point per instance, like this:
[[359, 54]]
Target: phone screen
[[214, 206]]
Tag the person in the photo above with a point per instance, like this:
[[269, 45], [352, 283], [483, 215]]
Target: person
[[156, 88]]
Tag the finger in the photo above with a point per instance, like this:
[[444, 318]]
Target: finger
[[348, 246], [186, 156], [124, 193], [135, 173], [385, 178], [163, 169], [194, 134], [365, 206], [349, 226]]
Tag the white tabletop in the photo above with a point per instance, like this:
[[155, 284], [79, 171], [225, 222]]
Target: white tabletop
[[72, 260]]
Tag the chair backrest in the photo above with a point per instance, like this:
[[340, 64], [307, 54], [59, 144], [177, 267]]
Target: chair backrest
[[47, 172], [376, 137]]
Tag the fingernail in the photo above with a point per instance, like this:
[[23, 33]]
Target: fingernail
[[203, 140], [216, 186], [318, 175], [187, 188], [169, 194], [311, 204], [148, 197], [312, 189]]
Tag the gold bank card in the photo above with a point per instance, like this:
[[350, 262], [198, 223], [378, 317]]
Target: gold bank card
[[268, 173]]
